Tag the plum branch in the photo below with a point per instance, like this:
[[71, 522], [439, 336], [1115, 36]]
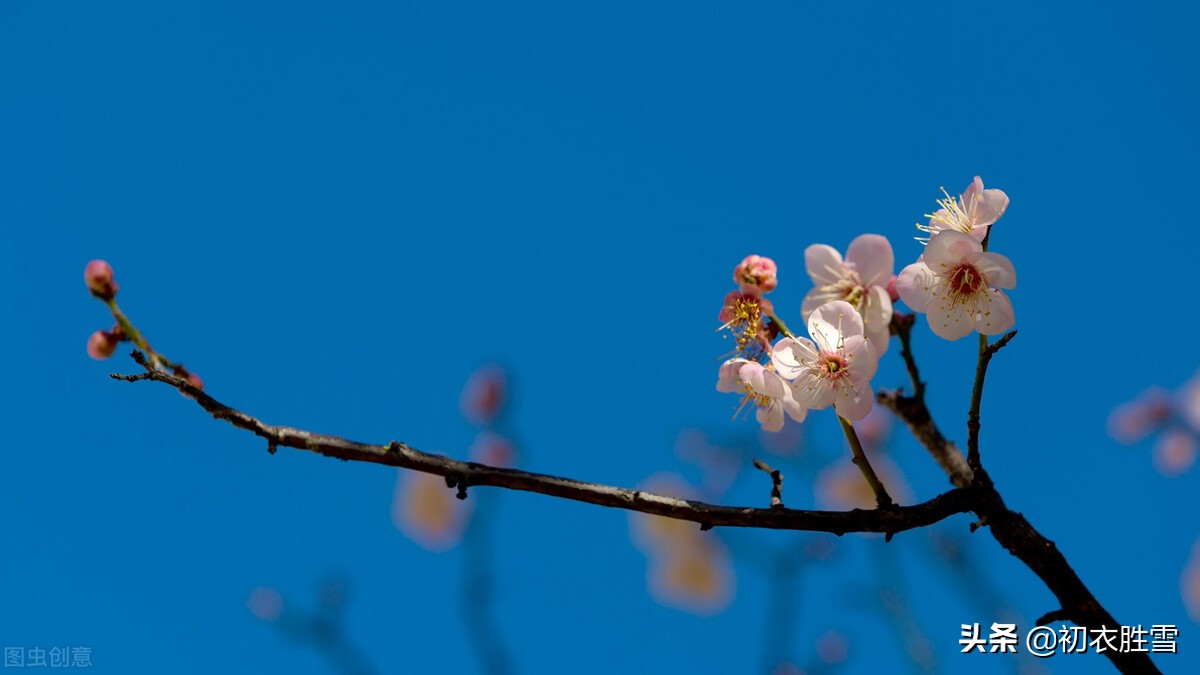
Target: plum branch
[[461, 475]]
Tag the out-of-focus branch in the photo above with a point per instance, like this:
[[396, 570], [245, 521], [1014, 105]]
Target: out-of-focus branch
[[461, 475]]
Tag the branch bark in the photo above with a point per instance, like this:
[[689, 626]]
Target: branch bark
[[461, 475], [979, 496]]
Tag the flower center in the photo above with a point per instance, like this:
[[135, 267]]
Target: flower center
[[743, 317], [833, 366], [965, 280], [954, 215], [849, 288]]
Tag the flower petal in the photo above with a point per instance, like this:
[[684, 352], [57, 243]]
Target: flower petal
[[792, 407], [854, 405], [950, 321], [812, 392], [949, 248], [992, 204], [968, 196], [877, 314], [916, 284], [728, 380], [862, 358], [821, 295], [872, 257], [834, 320], [998, 269], [770, 416], [824, 264], [789, 356], [997, 315]]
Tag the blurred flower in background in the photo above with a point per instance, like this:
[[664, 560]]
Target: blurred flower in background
[[689, 569], [1171, 418]]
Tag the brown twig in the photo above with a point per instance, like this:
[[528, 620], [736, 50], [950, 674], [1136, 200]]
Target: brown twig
[[460, 475], [776, 483], [986, 352]]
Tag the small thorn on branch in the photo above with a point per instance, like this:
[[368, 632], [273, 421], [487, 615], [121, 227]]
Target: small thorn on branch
[[271, 447], [776, 483], [705, 527], [1056, 615]]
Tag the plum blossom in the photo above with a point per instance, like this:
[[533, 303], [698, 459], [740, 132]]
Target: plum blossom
[[861, 279], [744, 314], [1175, 452], [835, 367], [763, 387], [972, 213], [955, 284], [1133, 421], [756, 272]]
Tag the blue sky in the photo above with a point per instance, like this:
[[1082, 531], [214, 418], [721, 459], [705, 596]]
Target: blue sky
[[335, 213]]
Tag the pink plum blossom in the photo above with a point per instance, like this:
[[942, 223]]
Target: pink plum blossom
[[1174, 452], [1133, 421], [836, 367], [955, 284], [762, 387], [972, 213], [861, 279], [758, 272], [744, 314]]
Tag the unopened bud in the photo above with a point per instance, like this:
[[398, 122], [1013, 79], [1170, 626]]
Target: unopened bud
[[99, 278], [101, 345], [756, 271]]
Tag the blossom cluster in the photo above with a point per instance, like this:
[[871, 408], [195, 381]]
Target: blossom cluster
[[955, 281]]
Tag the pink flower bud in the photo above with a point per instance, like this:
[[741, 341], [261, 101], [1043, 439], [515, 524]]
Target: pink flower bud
[[101, 345], [484, 394], [99, 278], [756, 272]]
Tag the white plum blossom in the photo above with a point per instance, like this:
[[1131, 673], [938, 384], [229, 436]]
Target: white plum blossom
[[955, 284], [861, 279], [762, 387], [972, 213], [835, 367]]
